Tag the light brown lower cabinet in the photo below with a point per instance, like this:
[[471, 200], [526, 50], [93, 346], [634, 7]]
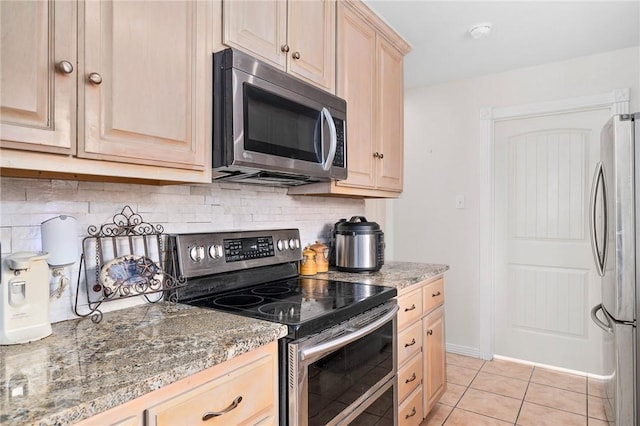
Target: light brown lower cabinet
[[434, 358], [241, 391], [421, 350]]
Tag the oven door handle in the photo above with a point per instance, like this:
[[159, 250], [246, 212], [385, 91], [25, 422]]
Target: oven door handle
[[331, 345]]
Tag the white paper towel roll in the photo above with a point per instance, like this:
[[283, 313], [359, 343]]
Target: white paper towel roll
[[60, 240]]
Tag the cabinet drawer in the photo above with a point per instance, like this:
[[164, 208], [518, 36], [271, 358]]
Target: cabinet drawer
[[433, 294], [409, 342], [410, 310], [253, 382], [409, 377], [410, 411]]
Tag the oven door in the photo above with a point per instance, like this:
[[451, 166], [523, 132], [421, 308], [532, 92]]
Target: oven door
[[338, 374]]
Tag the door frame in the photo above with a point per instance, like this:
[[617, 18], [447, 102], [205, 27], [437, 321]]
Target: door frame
[[617, 101]]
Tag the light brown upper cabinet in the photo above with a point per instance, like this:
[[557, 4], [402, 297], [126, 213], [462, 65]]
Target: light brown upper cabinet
[[37, 75], [295, 36], [137, 86], [369, 78]]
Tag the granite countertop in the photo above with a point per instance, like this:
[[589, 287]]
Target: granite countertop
[[392, 274], [83, 368]]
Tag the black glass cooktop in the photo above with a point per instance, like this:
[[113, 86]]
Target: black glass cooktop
[[305, 305]]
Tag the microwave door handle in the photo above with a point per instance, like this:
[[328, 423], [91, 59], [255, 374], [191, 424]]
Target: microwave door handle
[[598, 255], [334, 139], [333, 344]]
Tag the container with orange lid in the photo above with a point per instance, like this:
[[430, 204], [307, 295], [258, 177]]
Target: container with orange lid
[[322, 256], [308, 264]]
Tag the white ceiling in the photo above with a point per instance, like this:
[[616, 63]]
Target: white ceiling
[[525, 33]]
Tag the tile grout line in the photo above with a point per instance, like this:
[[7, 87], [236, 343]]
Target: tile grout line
[[524, 395], [463, 393]]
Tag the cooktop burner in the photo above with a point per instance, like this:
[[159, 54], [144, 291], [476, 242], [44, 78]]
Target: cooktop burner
[[305, 305]]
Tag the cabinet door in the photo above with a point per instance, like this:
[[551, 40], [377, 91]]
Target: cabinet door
[[257, 27], [312, 41], [435, 372], [242, 396], [410, 411], [143, 90], [390, 115], [37, 98], [356, 84]]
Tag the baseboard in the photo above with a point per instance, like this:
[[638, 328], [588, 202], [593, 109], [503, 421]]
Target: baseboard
[[463, 350], [551, 367]]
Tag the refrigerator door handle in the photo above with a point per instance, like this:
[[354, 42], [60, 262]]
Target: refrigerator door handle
[[594, 316], [599, 254]]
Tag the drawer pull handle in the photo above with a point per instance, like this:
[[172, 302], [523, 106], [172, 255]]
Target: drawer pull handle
[[413, 342], [212, 414], [411, 414], [436, 294], [430, 332], [413, 306], [411, 379]]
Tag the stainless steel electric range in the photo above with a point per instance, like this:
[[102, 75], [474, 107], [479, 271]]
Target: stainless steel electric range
[[337, 363]]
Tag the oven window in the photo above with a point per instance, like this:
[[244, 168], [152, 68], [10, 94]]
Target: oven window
[[340, 378], [380, 412], [277, 126]]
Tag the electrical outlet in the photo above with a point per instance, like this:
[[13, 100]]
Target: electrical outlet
[[459, 201]]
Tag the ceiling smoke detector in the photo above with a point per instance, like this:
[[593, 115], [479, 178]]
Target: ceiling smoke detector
[[480, 30]]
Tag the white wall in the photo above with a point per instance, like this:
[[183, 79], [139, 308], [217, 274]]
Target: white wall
[[442, 151], [26, 203]]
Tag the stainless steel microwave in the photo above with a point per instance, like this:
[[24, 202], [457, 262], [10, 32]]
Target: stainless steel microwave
[[272, 128]]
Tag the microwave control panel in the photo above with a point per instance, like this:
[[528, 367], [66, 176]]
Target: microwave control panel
[[338, 160]]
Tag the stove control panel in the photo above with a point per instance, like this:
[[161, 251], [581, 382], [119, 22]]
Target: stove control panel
[[248, 248], [212, 253]]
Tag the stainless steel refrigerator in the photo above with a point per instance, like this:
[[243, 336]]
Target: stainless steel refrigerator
[[615, 234]]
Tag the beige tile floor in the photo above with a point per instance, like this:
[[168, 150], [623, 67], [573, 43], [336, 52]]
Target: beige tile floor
[[501, 392]]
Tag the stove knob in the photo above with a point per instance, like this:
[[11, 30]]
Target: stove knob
[[196, 253], [297, 243], [280, 245], [219, 250], [292, 243], [213, 251]]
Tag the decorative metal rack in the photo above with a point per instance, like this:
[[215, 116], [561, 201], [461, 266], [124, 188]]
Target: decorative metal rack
[[124, 259]]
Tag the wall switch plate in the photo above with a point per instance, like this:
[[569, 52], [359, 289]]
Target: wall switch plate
[[459, 201]]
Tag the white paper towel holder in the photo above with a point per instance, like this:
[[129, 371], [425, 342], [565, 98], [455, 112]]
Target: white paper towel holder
[[60, 239]]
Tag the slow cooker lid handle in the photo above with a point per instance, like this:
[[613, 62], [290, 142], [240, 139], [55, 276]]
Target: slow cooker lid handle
[[354, 219]]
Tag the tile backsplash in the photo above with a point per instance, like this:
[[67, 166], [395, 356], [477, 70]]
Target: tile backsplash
[[26, 203]]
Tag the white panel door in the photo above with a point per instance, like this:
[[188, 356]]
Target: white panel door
[[546, 282]]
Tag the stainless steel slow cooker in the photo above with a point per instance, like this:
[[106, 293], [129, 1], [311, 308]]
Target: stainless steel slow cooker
[[359, 245]]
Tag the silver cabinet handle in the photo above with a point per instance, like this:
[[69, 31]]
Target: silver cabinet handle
[[411, 343], [411, 379], [284, 48], [410, 308], [296, 55], [430, 332], [436, 294], [65, 67], [411, 414], [376, 155], [381, 156], [95, 78], [211, 414]]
